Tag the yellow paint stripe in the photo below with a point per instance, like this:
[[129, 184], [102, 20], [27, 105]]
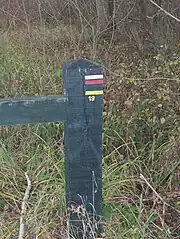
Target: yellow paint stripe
[[94, 92]]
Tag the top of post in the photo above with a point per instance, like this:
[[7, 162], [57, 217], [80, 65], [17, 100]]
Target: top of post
[[82, 64], [82, 78]]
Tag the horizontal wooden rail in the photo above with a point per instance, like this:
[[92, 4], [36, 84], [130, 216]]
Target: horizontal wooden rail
[[31, 110], [80, 108]]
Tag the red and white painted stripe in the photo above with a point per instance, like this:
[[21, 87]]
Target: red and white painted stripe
[[94, 80]]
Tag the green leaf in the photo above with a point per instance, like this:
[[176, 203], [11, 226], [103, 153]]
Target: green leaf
[[58, 72], [2, 203]]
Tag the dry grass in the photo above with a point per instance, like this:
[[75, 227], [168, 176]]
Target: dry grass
[[141, 136]]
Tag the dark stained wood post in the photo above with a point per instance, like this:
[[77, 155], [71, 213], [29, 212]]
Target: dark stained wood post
[[83, 86], [32, 110], [81, 109]]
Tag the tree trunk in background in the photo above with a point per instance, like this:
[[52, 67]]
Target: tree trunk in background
[[111, 11], [102, 15], [143, 17], [145, 28]]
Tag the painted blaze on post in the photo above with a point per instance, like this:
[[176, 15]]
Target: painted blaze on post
[[83, 84], [80, 108]]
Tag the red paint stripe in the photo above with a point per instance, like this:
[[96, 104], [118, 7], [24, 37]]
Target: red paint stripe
[[94, 82]]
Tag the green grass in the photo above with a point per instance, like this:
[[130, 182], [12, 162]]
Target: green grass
[[140, 136]]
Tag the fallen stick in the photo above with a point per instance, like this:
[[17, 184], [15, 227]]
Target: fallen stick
[[157, 195], [24, 208]]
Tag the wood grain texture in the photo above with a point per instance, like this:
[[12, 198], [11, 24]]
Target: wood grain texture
[[32, 110], [83, 149]]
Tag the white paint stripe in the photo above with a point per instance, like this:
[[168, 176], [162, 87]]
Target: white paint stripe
[[94, 77]]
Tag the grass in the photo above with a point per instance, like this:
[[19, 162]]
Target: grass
[[140, 136]]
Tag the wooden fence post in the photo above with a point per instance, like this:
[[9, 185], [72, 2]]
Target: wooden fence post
[[83, 86], [81, 109]]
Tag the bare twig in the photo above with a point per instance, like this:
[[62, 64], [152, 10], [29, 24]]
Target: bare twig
[[157, 195], [24, 208], [151, 187], [162, 9], [13, 16], [26, 17]]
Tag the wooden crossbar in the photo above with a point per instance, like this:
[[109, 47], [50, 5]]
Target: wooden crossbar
[[32, 110], [80, 108]]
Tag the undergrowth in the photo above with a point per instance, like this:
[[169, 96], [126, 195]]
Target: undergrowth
[[140, 137]]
